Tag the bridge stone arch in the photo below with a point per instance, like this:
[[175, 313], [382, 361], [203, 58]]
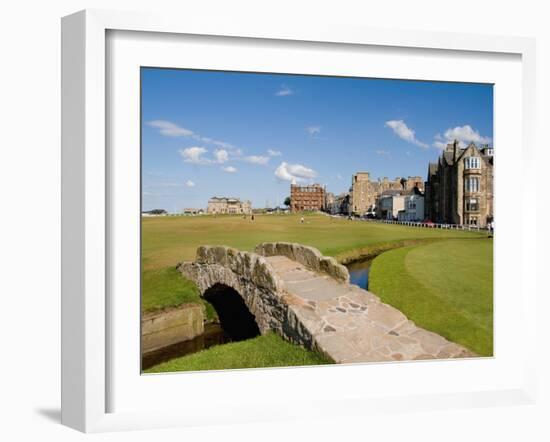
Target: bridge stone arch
[[306, 298], [255, 280], [234, 315]]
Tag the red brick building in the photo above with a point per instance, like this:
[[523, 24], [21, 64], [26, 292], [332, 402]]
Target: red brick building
[[307, 198]]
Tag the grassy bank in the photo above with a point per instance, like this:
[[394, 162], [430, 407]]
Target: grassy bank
[[164, 288], [263, 351], [446, 287]]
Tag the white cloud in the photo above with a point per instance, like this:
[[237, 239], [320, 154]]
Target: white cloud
[[229, 169], [284, 91], [295, 173], [313, 130], [257, 159], [382, 152], [190, 183], [221, 144], [464, 134], [221, 156], [169, 129], [194, 155], [274, 153], [404, 132], [197, 155]]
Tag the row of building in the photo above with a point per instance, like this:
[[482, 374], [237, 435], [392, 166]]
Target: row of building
[[458, 190]]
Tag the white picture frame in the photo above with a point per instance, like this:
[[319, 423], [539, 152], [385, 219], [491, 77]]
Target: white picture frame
[[86, 208]]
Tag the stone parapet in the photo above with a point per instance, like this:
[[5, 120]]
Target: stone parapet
[[308, 256]]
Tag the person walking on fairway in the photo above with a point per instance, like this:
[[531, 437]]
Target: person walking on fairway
[[302, 220]]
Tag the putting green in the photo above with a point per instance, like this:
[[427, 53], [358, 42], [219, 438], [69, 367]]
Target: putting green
[[445, 287]]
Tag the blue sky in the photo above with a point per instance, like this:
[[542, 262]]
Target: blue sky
[[250, 135]]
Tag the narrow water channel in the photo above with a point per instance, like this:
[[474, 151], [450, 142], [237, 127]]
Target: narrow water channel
[[213, 335], [359, 272]]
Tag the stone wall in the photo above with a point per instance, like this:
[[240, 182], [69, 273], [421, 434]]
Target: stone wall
[[171, 326], [308, 256]]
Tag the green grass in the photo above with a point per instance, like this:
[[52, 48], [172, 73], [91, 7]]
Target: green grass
[[263, 351], [164, 288], [169, 240], [445, 287]]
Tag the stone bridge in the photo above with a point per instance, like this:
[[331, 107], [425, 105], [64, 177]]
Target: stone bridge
[[307, 299]]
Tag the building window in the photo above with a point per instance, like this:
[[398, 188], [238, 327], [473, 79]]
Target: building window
[[472, 163], [472, 205], [471, 184]]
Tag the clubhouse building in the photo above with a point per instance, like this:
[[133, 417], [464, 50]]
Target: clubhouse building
[[228, 206]]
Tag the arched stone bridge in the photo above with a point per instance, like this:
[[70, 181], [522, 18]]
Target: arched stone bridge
[[307, 299]]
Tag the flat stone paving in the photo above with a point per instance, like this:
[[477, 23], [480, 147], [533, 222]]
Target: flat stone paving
[[351, 324]]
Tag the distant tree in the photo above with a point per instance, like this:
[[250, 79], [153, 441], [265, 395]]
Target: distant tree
[[287, 201], [403, 182], [157, 212]]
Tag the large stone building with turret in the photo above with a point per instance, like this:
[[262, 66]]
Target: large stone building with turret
[[459, 189]]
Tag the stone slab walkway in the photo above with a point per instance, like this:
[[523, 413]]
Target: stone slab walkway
[[351, 324]]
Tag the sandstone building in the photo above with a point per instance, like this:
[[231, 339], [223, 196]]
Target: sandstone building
[[459, 189], [364, 193], [231, 206], [308, 198]]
